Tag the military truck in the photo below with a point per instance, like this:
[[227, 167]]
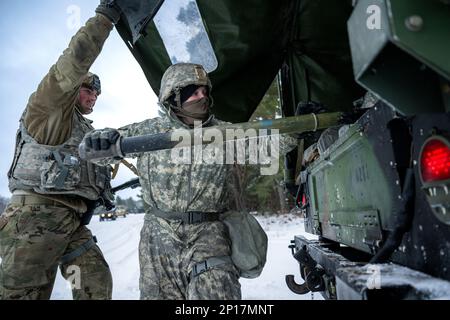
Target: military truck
[[121, 211], [108, 215], [375, 189]]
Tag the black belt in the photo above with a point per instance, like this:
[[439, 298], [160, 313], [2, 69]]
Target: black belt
[[189, 217], [32, 200], [78, 251]]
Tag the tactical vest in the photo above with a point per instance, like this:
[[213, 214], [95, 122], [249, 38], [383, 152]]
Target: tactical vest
[[57, 169]]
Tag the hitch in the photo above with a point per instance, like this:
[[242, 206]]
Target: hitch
[[310, 272], [295, 287]]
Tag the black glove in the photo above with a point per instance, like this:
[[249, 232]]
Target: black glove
[[109, 9], [102, 139], [351, 117], [310, 107]]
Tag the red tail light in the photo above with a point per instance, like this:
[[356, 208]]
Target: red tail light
[[435, 160]]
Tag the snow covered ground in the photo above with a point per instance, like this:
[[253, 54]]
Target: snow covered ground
[[119, 242]]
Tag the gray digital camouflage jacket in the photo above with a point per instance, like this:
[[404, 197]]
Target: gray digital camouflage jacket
[[170, 186]]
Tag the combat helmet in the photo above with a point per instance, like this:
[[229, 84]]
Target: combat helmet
[[92, 81], [179, 76]]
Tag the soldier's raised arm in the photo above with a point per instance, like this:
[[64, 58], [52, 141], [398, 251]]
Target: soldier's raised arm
[[50, 108]]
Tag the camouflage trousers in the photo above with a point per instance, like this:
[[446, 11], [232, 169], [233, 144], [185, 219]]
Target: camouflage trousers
[[169, 249], [32, 241]]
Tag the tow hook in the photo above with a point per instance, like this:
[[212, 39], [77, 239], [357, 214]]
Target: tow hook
[[309, 271]]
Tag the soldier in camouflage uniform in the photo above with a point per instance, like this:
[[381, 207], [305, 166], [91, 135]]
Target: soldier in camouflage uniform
[[184, 249], [52, 188]]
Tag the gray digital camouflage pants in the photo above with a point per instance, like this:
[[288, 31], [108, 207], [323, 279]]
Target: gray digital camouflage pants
[[32, 241], [169, 249]]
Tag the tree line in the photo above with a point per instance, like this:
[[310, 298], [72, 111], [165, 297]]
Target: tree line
[[133, 205]]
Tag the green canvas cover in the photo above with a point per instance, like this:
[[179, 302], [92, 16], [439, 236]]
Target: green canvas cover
[[252, 39]]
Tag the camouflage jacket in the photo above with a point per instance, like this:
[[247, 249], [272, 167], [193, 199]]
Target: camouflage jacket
[[170, 186], [51, 113]]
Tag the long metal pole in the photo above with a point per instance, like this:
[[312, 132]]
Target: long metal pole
[[169, 140]]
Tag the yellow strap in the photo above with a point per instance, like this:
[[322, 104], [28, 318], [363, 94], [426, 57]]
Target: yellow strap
[[115, 170], [127, 164]]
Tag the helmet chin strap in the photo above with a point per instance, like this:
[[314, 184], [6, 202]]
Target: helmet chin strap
[[178, 97]]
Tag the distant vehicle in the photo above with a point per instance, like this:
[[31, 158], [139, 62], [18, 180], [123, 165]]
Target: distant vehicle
[[109, 215], [121, 211]]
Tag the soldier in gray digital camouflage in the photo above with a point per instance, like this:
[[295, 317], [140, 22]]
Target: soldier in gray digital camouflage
[[185, 248], [53, 190]]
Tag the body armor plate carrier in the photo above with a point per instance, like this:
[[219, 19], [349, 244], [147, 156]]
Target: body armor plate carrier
[[57, 169]]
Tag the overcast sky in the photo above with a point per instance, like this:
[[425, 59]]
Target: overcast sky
[[33, 35]]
